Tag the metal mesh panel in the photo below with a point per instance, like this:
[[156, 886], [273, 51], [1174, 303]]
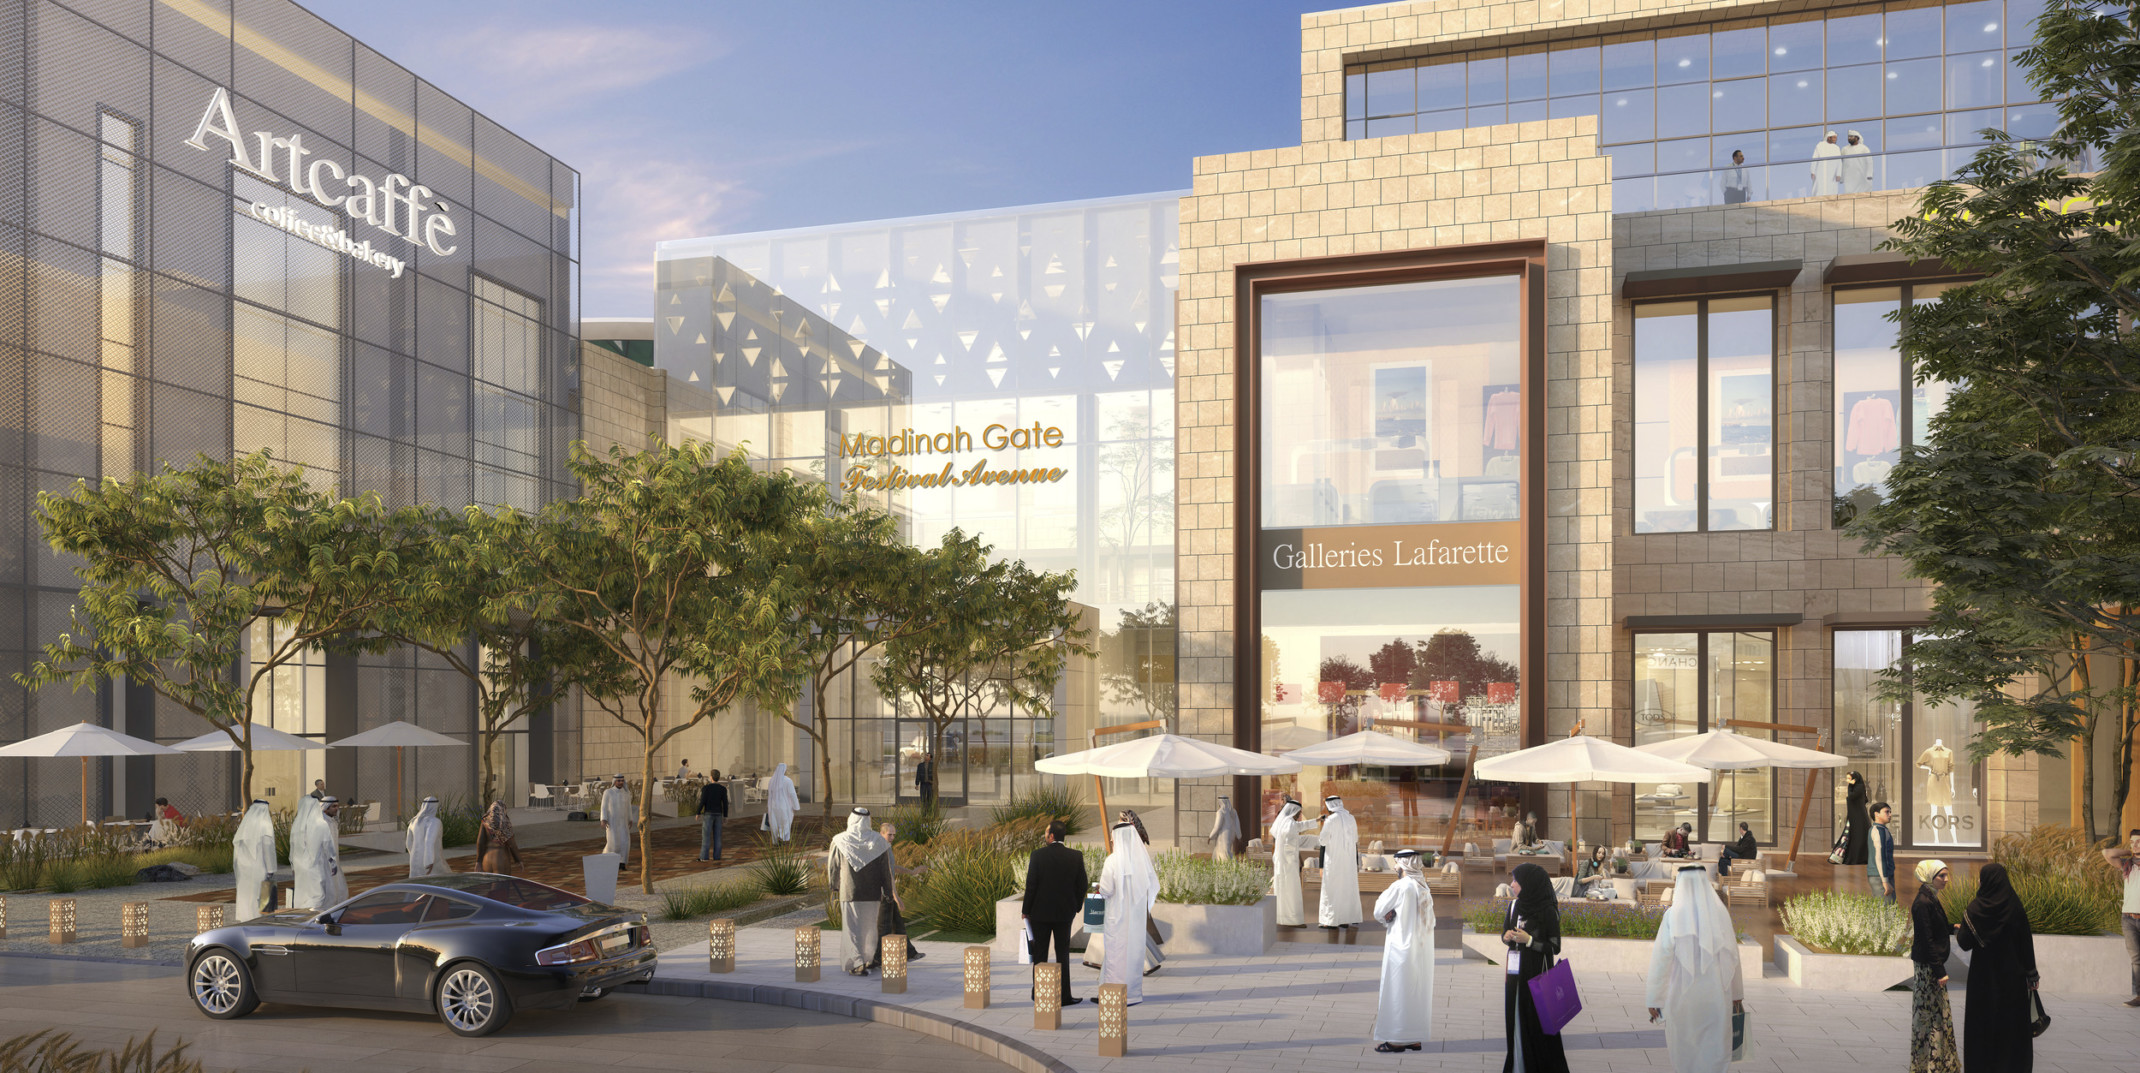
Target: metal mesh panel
[[379, 392], [186, 423], [13, 132], [443, 162], [383, 309], [189, 334], [382, 466], [442, 324], [19, 538], [509, 257], [511, 198], [181, 98], [77, 66], [316, 93], [200, 43], [442, 479], [62, 183], [63, 432], [383, 130]]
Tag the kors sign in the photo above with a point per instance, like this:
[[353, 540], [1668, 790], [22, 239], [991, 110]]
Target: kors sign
[[393, 205]]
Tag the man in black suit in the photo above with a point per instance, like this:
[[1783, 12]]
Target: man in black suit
[[1054, 895], [712, 812], [925, 779]]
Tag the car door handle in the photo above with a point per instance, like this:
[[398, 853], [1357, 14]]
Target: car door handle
[[270, 948]]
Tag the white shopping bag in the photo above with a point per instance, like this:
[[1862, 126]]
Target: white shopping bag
[[1025, 943]]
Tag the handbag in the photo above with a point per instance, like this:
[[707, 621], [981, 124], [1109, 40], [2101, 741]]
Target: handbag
[[2039, 1021], [1742, 1048], [1553, 995], [1095, 912], [1835, 854]]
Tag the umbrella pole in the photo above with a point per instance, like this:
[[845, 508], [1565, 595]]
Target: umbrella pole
[[1107, 831], [85, 791], [398, 795], [1456, 811]]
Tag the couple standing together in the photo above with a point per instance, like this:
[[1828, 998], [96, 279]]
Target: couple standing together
[[1055, 886]]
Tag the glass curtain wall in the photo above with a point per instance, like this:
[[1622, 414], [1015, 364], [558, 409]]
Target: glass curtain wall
[[1742, 112], [1881, 405], [1391, 442], [1912, 754], [1691, 683], [1705, 455]]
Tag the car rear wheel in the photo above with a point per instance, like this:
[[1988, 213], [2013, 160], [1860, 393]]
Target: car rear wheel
[[221, 986], [471, 1001]]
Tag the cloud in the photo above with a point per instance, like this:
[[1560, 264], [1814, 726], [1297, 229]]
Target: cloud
[[526, 71], [630, 207]]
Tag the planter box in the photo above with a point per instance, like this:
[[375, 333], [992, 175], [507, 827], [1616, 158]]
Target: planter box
[[1607, 955], [1010, 926], [1232, 930], [1842, 972], [2069, 964]]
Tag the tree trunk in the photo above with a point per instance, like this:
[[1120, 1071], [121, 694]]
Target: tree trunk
[[489, 739], [649, 700], [2084, 755], [2127, 805]]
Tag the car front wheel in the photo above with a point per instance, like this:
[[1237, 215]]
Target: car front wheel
[[221, 986], [471, 1001]]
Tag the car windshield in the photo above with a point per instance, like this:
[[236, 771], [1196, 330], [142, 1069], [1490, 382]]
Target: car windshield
[[507, 889]]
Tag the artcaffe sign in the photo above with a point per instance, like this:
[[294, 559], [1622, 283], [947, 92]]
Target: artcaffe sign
[[880, 463], [1391, 556], [394, 205]]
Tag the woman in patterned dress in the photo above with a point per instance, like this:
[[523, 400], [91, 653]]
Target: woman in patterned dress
[[1932, 1047]]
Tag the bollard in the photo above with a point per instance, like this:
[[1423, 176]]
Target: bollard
[[207, 918], [62, 920], [806, 951], [134, 924], [1114, 1020], [721, 945], [3, 918], [1048, 995], [977, 969], [893, 956]]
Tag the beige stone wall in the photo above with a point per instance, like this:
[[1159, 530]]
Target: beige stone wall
[[621, 401], [1540, 180]]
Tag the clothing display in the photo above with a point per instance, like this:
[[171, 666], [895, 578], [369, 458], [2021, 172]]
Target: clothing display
[[1695, 975], [1288, 831], [1340, 903], [1504, 421], [1131, 886], [1404, 1007], [426, 842], [1938, 763], [1871, 428]]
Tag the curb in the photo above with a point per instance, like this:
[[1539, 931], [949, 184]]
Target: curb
[[1018, 1055], [98, 959]]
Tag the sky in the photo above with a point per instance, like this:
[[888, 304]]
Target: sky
[[688, 118]]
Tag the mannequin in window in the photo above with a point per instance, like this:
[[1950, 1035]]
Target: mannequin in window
[[1938, 765]]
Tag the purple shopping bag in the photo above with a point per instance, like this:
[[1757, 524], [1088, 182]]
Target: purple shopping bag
[[1553, 993]]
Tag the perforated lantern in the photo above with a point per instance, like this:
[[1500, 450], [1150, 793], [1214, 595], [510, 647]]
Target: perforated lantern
[[721, 945], [892, 954], [806, 955], [977, 968], [1114, 1020], [134, 924], [1047, 995], [207, 918], [62, 920]]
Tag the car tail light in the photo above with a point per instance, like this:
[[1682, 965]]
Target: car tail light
[[570, 953]]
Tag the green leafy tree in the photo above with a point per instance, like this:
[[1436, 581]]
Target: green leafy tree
[[671, 562], [987, 633], [1393, 662], [200, 582], [1454, 655]]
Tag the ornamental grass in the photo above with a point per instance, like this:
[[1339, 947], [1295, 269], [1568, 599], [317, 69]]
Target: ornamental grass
[[1834, 923]]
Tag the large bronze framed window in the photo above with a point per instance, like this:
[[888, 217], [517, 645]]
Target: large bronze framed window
[[1389, 522]]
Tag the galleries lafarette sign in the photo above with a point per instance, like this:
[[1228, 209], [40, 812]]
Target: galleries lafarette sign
[[394, 205], [1391, 556]]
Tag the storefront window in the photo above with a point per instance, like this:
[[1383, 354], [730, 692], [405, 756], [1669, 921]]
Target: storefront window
[[1690, 683], [1704, 415], [1874, 417], [1912, 755]]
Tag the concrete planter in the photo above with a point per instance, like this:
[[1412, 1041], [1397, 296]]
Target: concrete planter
[[1010, 926], [1233, 930], [1607, 955], [2070, 964], [1842, 972]]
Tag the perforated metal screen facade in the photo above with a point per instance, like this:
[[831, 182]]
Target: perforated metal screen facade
[[226, 225]]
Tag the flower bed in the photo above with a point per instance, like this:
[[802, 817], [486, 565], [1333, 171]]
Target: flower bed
[[1850, 924]]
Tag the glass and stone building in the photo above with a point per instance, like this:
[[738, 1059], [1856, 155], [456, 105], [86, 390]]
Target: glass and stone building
[[226, 227]]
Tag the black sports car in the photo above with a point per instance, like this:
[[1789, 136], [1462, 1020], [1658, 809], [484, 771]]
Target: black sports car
[[470, 946]]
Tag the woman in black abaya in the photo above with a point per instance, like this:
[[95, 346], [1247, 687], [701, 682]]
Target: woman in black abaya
[[1532, 933], [1857, 822], [2002, 972]]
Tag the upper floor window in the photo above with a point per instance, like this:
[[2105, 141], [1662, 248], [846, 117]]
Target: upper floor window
[[1705, 455], [1880, 406]]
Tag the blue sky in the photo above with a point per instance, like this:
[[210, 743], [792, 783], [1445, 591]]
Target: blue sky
[[697, 118]]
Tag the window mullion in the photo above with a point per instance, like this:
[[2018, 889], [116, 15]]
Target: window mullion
[[1701, 417]]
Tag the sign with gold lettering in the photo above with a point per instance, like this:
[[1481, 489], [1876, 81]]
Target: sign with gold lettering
[[877, 463], [1391, 556]]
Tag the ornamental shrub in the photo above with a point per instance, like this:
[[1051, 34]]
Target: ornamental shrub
[[2054, 907], [1835, 923], [1048, 803], [1192, 880]]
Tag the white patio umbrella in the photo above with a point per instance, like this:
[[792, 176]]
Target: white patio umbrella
[[1725, 749], [1284, 739], [399, 734], [1582, 758], [1162, 756], [1370, 747], [84, 740], [266, 739]]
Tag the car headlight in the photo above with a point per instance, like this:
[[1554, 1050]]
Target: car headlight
[[569, 953]]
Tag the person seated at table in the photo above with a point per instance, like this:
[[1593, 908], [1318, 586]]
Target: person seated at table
[[1525, 834], [1742, 850], [1592, 870], [164, 822], [1675, 840]]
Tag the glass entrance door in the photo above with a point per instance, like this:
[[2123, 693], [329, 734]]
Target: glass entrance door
[[949, 762]]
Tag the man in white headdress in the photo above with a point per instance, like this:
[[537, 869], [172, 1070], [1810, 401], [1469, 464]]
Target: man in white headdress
[[780, 804], [426, 842], [859, 873], [1857, 165], [1131, 885], [253, 859], [1695, 984], [1340, 905], [1827, 166], [334, 883], [1225, 831], [1404, 1011], [1288, 831], [314, 866], [619, 816]]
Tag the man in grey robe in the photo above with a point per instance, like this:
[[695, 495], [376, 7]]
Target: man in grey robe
[[1225, 831], [859, 873]]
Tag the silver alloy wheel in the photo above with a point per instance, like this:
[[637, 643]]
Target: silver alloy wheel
[[216, 983], [466, 1000]]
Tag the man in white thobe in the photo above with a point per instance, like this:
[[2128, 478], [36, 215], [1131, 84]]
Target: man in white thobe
[[859, 874], [1695, 984], [1131, 885], [1340, 905], [426, 842], [780, 804], [1404, 1011], [619, 816], [1225, 831], [1827, 166], [1288, 831], [315, 865], [1857, 165], [253, 859]]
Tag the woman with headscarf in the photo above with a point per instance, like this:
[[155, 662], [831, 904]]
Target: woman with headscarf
[[1695, 982], [1591, 871], [253, 859], [1857, 821], [1131, 886], [858, 871], [1532, 935], [497, 851], [1154, 957], [426, 842], [1287, 833], [1404, 1008], [1931, 1019], [1339, 904], [1745, 849], [780, 804], [2002, 973]]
